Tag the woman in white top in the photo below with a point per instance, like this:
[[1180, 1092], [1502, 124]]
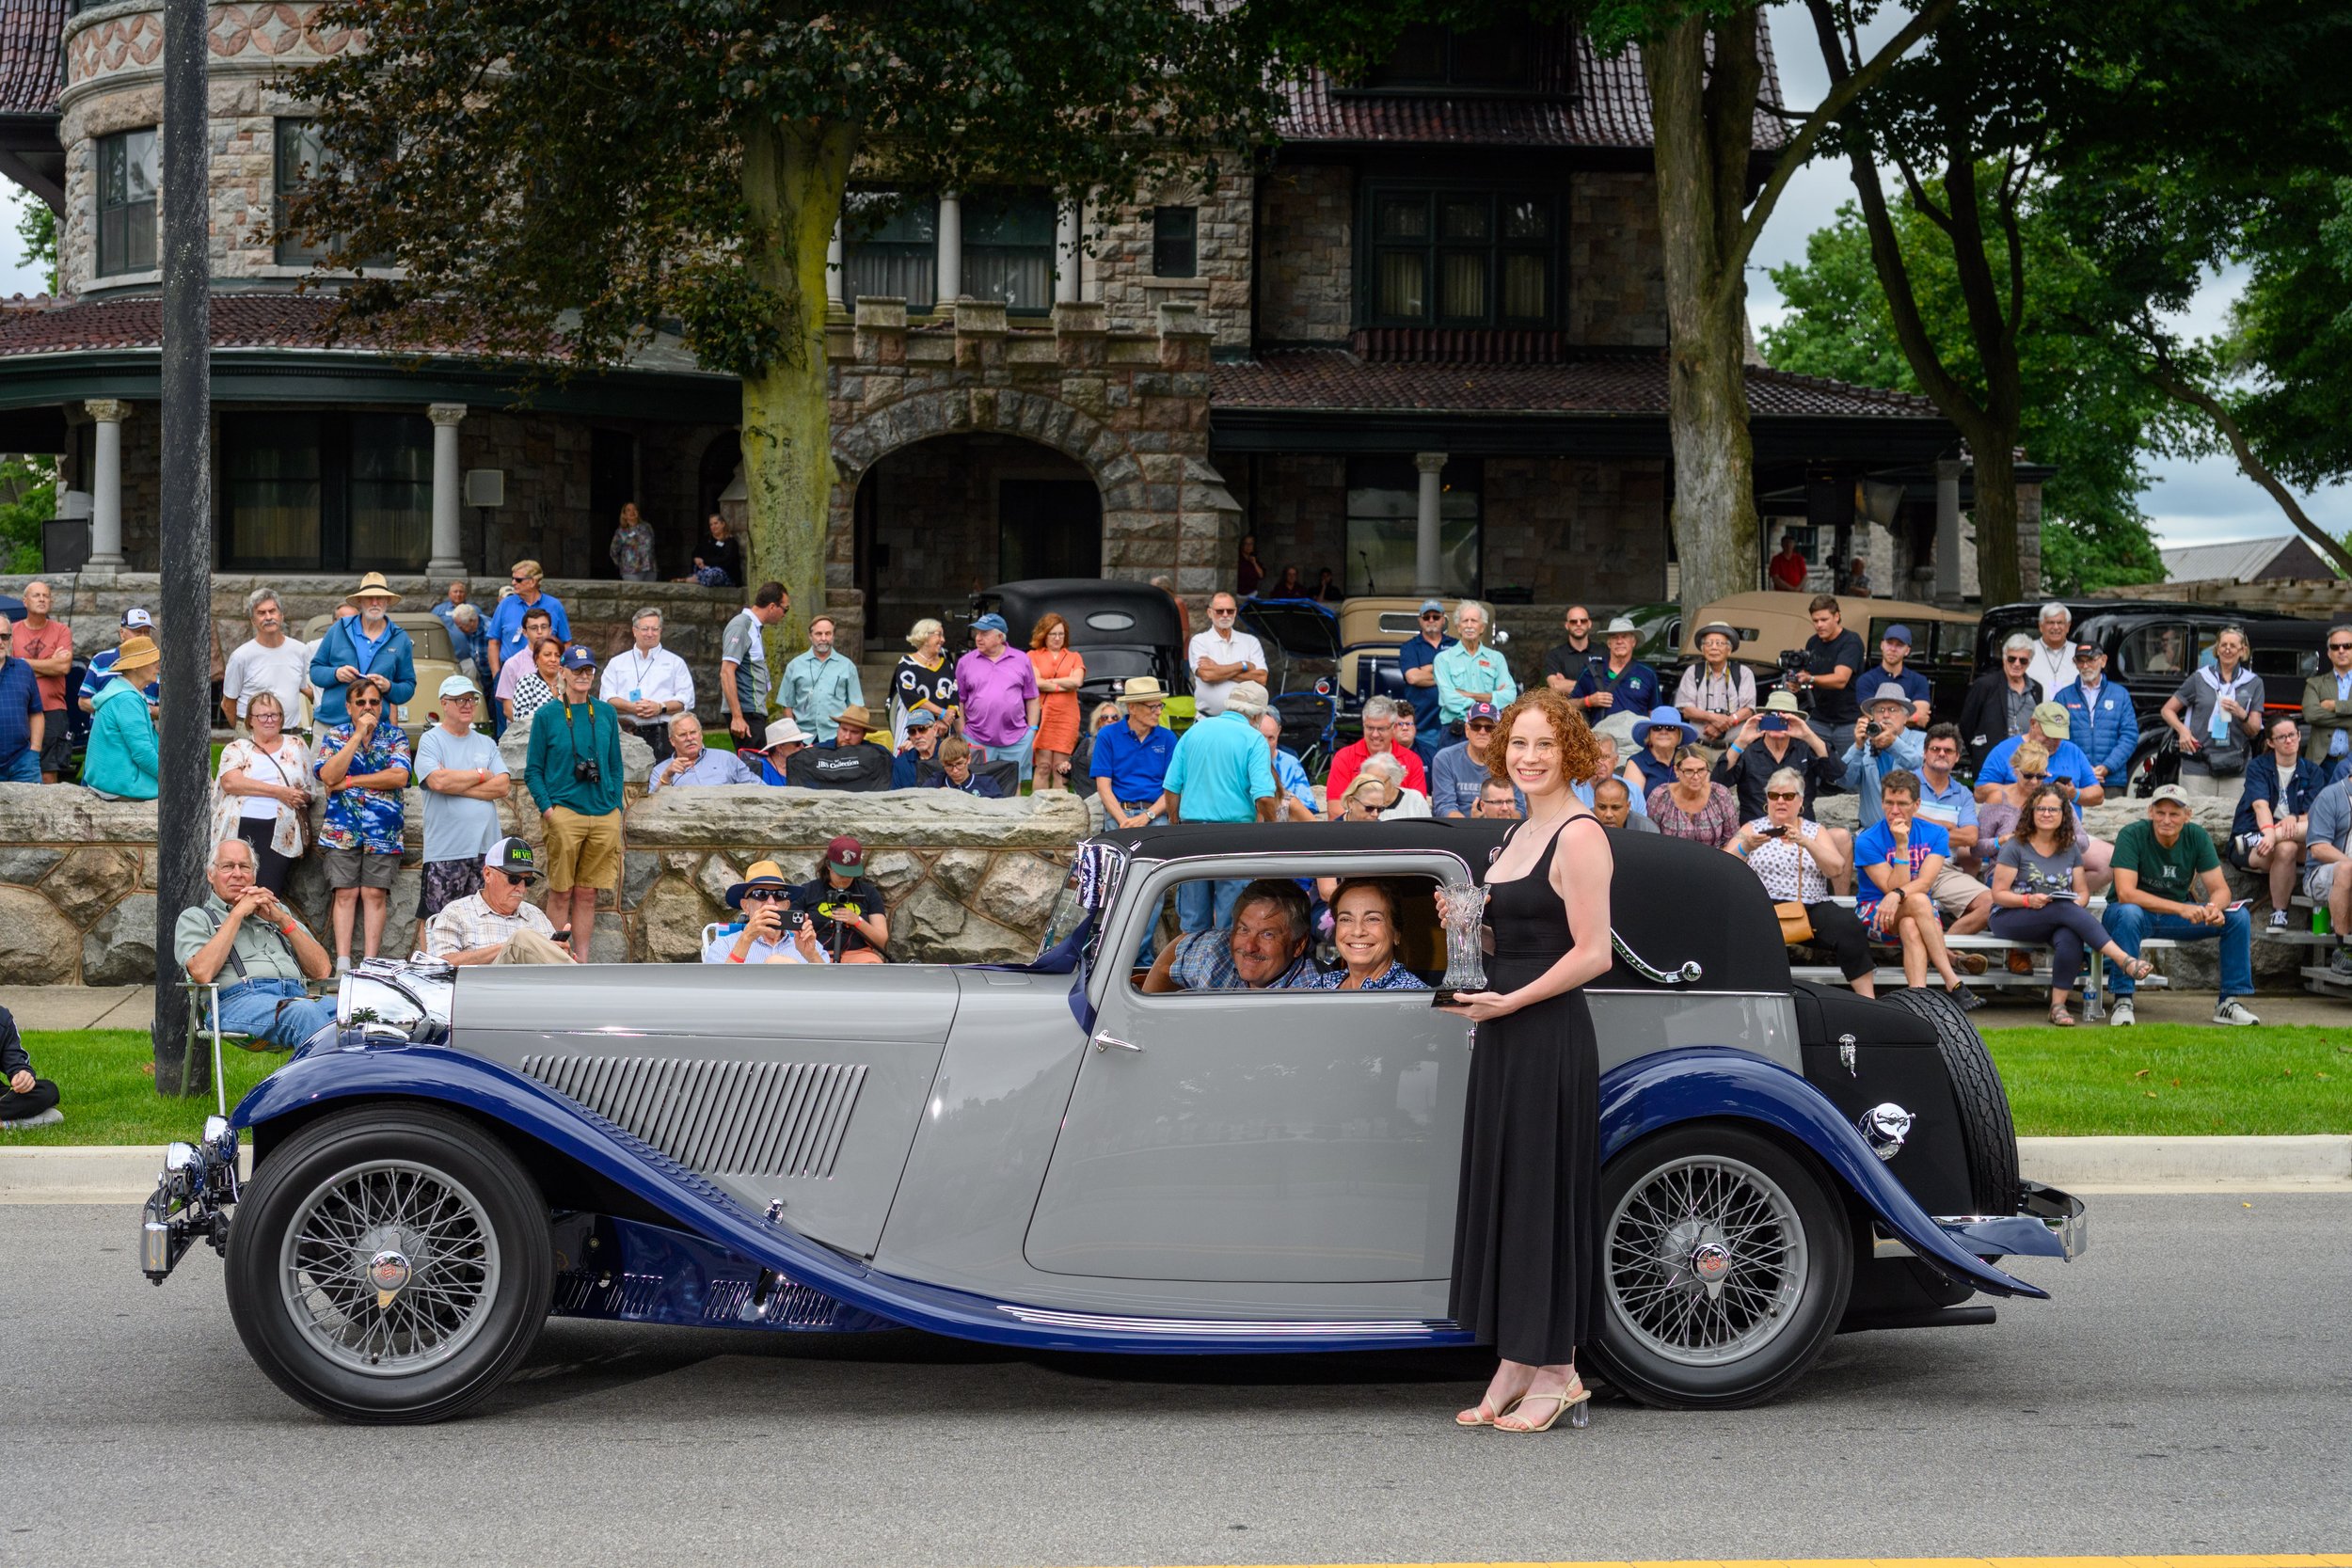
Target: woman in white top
[[262, 792], [1795, 858]]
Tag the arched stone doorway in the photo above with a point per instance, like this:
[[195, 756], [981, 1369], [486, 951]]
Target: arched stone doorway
[[939, 519]]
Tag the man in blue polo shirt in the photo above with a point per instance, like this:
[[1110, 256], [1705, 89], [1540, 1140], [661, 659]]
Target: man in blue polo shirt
[[1220, 772], [2069, 769], [1417, 662], [1621, 687], [505, 634], [1131, 758]]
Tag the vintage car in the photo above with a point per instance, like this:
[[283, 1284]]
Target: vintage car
[[435, 659], [1123, 629], [1046, 1156], [1943, 642]]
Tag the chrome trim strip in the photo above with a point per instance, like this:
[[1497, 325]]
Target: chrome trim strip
[[1689, 973], [1221, 1328]]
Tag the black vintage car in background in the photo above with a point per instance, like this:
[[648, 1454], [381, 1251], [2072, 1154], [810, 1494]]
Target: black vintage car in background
[[2152, 645], [1122, 631]]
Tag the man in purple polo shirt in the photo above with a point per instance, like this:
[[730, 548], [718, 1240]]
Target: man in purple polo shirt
[[997, 687]]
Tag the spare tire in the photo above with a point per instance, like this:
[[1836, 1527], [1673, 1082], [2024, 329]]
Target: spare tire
[[1987, 1133]]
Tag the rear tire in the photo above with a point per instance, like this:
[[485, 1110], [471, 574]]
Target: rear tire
[[416, 1200], [1986, 1131], [1786, 1267]]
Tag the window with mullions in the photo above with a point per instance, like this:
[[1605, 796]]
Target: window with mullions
[[326, 492], [1009, 247], [301, 158], [892, 248], [1175, 242], [1443, 257], [1430, 56], [129, 172]]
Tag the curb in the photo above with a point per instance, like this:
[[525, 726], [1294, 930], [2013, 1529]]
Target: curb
[[2317, 1162]]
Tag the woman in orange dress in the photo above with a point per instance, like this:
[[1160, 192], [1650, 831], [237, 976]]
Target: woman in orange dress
[[1059, 671]]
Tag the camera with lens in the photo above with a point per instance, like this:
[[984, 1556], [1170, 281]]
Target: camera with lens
[[587, 772], [1792, 662]]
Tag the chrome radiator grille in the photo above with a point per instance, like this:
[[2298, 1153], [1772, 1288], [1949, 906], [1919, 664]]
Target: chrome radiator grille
[[723, 1118]]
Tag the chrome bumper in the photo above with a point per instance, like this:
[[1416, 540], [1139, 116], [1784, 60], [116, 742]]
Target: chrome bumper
[[2048, 1223], [191, 1200]]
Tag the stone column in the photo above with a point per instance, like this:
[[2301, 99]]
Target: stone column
[[1427, 571], [1068, 257], [1948, 545], [835, 280], [105, 513], [950, 243], [446, 561]]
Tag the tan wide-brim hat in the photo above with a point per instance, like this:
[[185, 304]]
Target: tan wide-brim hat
[[854, 714], [1143, 688], [135, 653], [373, 586], [1782, 702]]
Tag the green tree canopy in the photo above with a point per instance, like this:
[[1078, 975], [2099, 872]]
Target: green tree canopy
[[2088, 410]]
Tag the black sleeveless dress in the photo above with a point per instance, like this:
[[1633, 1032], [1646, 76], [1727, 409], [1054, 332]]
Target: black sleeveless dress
[[1527, 1231]]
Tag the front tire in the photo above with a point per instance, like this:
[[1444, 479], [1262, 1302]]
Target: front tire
[[390, 1265], [1726, 1262]]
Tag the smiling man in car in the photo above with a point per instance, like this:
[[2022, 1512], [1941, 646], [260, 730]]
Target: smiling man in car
[[1265, 949]]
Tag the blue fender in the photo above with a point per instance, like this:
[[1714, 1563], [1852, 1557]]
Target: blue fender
[[320, 1075], [1654, 1092]]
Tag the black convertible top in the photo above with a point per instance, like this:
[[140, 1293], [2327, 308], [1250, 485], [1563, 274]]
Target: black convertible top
[[1671, 901]]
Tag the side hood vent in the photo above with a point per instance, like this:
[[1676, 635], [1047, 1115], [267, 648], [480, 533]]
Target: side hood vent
[[718, 1117]]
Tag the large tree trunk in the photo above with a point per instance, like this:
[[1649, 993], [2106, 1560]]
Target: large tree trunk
[[1705, 133], [2000, 565], [793, 179]]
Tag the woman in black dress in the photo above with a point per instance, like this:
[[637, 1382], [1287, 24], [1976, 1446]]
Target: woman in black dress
[[1527, 1237]]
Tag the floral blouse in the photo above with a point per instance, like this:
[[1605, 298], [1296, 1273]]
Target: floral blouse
[[1395, 977], [1788, 873], [1714, 824], [293, 764], [632, 550]]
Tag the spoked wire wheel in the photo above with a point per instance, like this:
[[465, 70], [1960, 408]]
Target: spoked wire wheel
[[389, 1268], [1707, 1260]]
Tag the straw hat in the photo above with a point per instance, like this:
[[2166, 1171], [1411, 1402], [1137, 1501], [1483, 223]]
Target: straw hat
[[373, 586], [1143, 688], [135, 653]]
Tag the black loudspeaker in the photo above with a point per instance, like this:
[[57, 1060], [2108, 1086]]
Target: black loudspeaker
[[65, 544]]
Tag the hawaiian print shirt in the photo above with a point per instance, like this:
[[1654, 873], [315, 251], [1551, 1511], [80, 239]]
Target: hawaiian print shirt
[[364, 819], [1395, 977]]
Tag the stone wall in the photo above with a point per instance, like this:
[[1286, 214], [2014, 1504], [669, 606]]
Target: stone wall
[[1306, 255], [1616, 267], [1563, 528], [1119, 264], [967, 880]]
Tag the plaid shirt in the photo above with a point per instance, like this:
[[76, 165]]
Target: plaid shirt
[[1204, 962], [364, 819], [470, 922]]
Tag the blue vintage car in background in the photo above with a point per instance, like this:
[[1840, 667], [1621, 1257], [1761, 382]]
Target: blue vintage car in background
[[1044, 1156]]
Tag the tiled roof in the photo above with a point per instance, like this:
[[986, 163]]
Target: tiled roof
[[1326, 379], [45, 326], [30, 68], [1611, 109]]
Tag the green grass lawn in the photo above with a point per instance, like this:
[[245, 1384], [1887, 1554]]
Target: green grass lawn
[[2176, 1078], [2156, 1078], [108, 1099]]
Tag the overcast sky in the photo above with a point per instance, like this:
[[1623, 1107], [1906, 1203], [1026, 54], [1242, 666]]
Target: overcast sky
[[2191, 502], [2188, 503]]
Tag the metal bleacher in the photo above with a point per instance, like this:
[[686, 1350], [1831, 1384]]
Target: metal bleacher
[[1997, 976]]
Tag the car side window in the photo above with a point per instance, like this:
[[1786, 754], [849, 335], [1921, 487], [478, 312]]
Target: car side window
[[2159, 648], [1235, 942]]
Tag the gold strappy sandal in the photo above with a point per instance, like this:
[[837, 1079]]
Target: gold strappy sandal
[[1572, 1399]]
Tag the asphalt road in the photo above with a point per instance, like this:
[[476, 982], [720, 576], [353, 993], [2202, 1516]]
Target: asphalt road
[[2189, 1390]]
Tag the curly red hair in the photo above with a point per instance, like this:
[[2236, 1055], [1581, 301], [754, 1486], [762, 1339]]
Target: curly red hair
[[1580, 753]]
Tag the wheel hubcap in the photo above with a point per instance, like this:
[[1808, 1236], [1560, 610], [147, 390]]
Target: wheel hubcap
[[389, 1268], [1707, 1261]]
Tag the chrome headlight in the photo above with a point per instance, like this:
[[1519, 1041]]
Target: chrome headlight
[[1884, 1128]]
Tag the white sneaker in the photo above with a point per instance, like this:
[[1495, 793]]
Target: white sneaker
[[2278, 920], [2119, 1013], [2229, 1011], [46, 1118]]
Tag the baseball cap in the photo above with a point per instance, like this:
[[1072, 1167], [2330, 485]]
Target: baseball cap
[[1897, 633], [578, 657], [134, 616], [457, 686], [1482, 710], [922, 716], [2173, 793], [991, 622], [845, 855], [2055, 720], [513, 856], [2086, 650], [1429, 605]]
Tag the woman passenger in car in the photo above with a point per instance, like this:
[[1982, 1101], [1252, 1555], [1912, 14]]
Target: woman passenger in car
[[1363, 929]]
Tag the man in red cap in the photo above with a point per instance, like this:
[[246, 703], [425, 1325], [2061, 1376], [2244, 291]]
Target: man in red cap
[[851, 920]]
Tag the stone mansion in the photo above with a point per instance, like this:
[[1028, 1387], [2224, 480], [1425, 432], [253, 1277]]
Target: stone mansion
[[1450, 269]]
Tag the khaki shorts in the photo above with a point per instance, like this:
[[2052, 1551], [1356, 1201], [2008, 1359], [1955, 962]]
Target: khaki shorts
[[1954, 891], [583, 851]]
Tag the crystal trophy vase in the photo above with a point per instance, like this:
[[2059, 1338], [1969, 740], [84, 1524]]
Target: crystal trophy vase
[[1463, 906]]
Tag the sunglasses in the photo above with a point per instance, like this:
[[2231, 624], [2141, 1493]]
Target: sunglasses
[[2340, 647], [1778, 795], [1433, 615], [1480, 726], [362, 707], [2029, 778], [520, 878], [520, 578], [765, 895], [2018, 659]]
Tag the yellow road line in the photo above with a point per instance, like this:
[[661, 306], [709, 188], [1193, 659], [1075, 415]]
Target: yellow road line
[[2339, 1559]]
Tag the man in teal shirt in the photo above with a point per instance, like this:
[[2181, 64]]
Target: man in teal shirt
[[574, 773], [1222, 772], [1470, 671], [818, 684]]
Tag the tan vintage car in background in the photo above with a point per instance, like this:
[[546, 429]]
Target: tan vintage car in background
[[435, 659]]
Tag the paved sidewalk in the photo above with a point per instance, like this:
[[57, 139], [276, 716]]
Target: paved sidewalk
[[80, 1006]]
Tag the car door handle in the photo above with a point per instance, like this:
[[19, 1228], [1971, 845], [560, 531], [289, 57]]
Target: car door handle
[[1105, 1043]]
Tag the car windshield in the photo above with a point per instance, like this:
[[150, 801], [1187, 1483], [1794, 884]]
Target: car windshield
[[1299, 628]]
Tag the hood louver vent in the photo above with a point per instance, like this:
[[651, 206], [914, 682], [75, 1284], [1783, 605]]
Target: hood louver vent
[[721, 1118]]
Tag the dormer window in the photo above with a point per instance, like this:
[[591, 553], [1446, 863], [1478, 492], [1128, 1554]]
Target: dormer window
[[1434, 58], [1463, 258]]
